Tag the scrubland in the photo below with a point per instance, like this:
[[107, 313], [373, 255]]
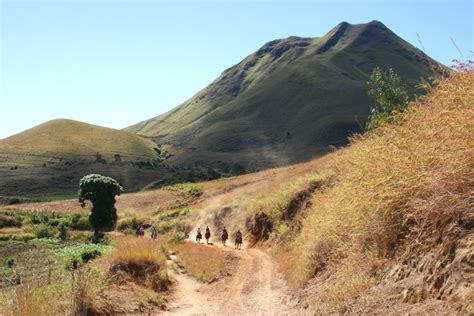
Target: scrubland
[[383, 225]]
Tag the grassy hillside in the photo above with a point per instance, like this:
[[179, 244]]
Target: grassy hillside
[[77, 139], [386, 225], [288, 101], [52, 157], [382, 226]]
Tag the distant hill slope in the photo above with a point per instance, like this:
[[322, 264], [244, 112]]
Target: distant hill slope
[[52, 157], [78, 139], [288, 101]]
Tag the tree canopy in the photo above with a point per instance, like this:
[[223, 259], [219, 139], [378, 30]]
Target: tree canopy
[[390, 95], [101, 191]]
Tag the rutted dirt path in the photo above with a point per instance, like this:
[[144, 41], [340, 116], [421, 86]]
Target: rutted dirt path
[[254, 288]]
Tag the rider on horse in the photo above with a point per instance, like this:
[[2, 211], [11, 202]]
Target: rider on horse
[[208, 234], [198, 235], [238, 240], [225, 236], [154, 234]]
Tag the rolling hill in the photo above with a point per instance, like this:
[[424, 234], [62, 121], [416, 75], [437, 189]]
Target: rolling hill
[[52, 157], [288, 101], [77, 139]]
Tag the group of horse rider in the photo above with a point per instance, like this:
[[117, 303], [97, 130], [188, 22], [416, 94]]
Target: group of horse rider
[[224, 237], [141, 231]]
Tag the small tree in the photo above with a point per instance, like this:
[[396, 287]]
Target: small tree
[[101, 191], [390, 96]]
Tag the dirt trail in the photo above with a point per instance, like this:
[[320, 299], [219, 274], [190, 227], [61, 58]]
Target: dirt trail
[[254, 288]]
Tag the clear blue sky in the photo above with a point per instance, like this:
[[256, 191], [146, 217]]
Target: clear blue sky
[[114, 63]]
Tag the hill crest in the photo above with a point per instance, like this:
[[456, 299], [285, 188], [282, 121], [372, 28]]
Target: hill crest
[[288, 101]]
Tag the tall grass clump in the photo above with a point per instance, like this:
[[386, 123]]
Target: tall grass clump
[[140, 260], [397, 192]]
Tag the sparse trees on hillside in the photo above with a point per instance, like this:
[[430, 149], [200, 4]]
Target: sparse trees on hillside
[[390, 95], [101, 191]]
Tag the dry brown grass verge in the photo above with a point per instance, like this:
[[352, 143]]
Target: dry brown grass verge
[[401, 200], [141, 261], [203, 262]]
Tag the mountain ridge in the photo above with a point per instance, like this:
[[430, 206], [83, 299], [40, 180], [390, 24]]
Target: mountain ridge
[[288, 101]]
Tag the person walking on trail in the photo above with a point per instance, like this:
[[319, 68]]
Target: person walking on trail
[[225, 236], [238, 240], [154, 234], [198, 236], [208, 234]]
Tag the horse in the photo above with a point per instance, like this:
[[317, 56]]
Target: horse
[[224, 238], [207, 235], [238, 242], [154, 234]]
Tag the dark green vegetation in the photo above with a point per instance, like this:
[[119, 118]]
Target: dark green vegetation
[[390, 95], [101, 191], [288, 101]]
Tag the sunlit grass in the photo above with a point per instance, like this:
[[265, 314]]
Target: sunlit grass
[[202, 262]]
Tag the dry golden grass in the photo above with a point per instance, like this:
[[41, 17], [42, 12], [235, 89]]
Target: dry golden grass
[[35, 301], [395, 188], [202, 262], [137, 250]]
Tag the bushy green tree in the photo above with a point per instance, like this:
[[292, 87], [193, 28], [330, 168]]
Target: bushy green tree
[[101, 191], [390, 95]]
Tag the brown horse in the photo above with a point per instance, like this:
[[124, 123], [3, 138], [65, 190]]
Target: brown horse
[[224, 237], [238, 242]]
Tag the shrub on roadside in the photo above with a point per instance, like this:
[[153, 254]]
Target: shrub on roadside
[[44, 231]]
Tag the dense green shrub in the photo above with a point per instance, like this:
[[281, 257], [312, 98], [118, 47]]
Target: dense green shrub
[[129, 223], [63, 231], [79, 222], [90, 254]]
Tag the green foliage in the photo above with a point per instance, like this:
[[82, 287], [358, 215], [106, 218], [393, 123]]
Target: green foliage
[[79, 222], [101, 191], [178, 236], [91, 254], [63, 231], [44, 231], [390, 95], [129, 224]]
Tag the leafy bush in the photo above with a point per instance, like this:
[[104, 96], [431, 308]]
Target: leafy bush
[[90, 254], [129, 223], [79, 222], [44, 231], [63, 231], [390, 95], [178, 236]]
